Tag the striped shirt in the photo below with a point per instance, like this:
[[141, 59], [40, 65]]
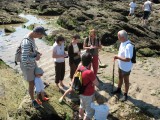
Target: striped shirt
[[28, 53]]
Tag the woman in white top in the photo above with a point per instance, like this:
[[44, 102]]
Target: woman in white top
[[59, 60], [74, 54]]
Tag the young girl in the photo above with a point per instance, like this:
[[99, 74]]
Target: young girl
[[39, 85], [101, 109]]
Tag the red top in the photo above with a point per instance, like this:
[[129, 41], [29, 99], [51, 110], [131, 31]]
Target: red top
[[88, 77]]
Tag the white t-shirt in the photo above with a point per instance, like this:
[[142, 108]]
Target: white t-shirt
[[75, 48], [39, 85], [126, 51], [101, 111], [59, 50], [132, 5], [147, 6]]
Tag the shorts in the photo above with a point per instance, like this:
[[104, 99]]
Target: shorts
[[60, 71], [146, 15], [27, 73], [131, 11], [85, 104], [124, 73]]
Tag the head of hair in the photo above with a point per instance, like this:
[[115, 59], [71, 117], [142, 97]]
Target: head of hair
[[123, 33], [76, 36], [92, 31], [100, 97], [86, 59], [59, 38]]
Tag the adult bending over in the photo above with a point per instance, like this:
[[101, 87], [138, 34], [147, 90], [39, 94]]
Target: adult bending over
[[29, 57]]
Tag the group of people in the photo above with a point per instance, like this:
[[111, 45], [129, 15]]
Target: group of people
[[147, 8], [92, 44]]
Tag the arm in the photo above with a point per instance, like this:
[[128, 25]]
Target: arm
[[85, 46], [122, 58], [54, 55], [70, 53], [95, 82]]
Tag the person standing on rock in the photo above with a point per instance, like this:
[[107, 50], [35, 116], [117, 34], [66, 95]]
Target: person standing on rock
[[132, 8], [74, 54], [29, 56], [89, 79], [147, 7], [92, 44], [59, 60], [124, 56]]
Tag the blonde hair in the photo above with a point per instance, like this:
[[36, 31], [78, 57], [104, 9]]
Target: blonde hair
[[100, 97], [91, 31]]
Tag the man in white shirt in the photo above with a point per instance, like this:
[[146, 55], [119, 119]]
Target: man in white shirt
[[147, 7], [124, 57], [132, 7]]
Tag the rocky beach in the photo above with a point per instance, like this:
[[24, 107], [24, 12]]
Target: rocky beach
[[66, 18]]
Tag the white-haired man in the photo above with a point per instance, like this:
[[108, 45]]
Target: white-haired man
[[124, 62]]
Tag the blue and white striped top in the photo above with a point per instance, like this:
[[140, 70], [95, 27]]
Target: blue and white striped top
[[28, 50]]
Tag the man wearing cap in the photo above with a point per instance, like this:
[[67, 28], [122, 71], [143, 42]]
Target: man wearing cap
[[29, 57]]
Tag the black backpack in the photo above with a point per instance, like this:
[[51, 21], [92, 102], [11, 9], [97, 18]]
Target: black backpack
[[133, 59], [78, 87]]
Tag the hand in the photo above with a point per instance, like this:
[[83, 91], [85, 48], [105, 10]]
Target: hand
[[92, 47], [38, 57], [116, 57]]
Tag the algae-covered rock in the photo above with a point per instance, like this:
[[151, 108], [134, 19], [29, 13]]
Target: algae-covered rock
[[31, 26], [146, 52], [15, 102], [9, 29]]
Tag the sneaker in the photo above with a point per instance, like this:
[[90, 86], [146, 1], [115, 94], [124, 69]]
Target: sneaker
[[35, 104], [45, 99], [124, 98], [60, 100], [39, 102], [118, 91]]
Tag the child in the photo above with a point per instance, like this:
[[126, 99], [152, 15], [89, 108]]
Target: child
[[70, 89], [101, 109], [132, 7], [39, 85]]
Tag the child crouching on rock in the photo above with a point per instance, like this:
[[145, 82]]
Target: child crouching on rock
[[39, 85], [100, 107]]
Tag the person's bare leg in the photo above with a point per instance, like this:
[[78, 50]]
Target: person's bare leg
[[64, 95], [126, 81], [31, 89], [120, 82], [81, 113], [61, 83], [86, 118], [42, 95]]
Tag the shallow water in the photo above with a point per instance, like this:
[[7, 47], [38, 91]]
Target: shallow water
[[10, 42]]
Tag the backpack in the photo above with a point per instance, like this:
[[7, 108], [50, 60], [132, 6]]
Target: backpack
[[78, 87], [18, 53], [133, 59]]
